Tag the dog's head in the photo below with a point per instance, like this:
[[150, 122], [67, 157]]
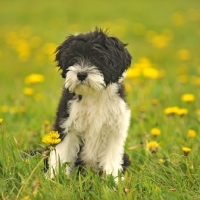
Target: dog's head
[[91, 61]]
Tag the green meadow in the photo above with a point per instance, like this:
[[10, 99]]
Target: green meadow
[[162, 87]]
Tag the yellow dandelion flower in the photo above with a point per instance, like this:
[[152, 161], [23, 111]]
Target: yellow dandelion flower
[[195, 81], [188, 98], [186, 151], [133, 72], [52, 138], [155, 131], [153, 146], [1, 120], [160, 41], [154, 102], [142, 63], [144, 67], [26, 161], [184, 54], [28, 91], [198, 112], [151, 73], [182, 111], [26, 198], [161, 161], [171, 110], [177, 19], [191, 133], [183, 78], [34, 78], [4, 109], [23, 49]]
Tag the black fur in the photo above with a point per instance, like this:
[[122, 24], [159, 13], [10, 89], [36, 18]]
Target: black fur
[[62, 111]]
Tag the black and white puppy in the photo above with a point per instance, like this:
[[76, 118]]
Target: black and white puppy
[[92, 116]]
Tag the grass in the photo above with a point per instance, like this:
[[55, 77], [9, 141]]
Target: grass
[[164, 41]]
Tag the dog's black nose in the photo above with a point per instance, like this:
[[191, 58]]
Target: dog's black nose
[[82, 76]]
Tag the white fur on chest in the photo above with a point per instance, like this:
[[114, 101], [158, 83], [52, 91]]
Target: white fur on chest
[[95, 111], [94, 119]]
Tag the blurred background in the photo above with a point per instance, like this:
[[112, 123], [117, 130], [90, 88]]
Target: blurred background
[[163, 38]]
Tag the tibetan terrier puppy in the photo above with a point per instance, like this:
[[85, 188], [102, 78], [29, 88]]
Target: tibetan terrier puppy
[[92, 117]]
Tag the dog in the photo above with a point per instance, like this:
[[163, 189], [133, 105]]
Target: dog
[[92, 116]]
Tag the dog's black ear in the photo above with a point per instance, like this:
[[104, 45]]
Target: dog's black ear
[[121, 58], [64, 55]]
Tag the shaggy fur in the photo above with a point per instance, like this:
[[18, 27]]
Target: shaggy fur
[[92, 116]]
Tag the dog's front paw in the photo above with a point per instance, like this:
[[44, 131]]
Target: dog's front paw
[[115, 172], [56, 165]]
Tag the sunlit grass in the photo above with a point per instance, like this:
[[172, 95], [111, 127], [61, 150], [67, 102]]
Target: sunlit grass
[[162, 87]]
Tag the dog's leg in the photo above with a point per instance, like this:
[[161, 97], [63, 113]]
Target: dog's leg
[[112, 159], [66, 151]]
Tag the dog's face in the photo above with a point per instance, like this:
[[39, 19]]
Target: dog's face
[[91, 61]]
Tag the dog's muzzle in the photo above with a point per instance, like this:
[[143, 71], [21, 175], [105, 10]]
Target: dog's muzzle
[[84, 80]]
